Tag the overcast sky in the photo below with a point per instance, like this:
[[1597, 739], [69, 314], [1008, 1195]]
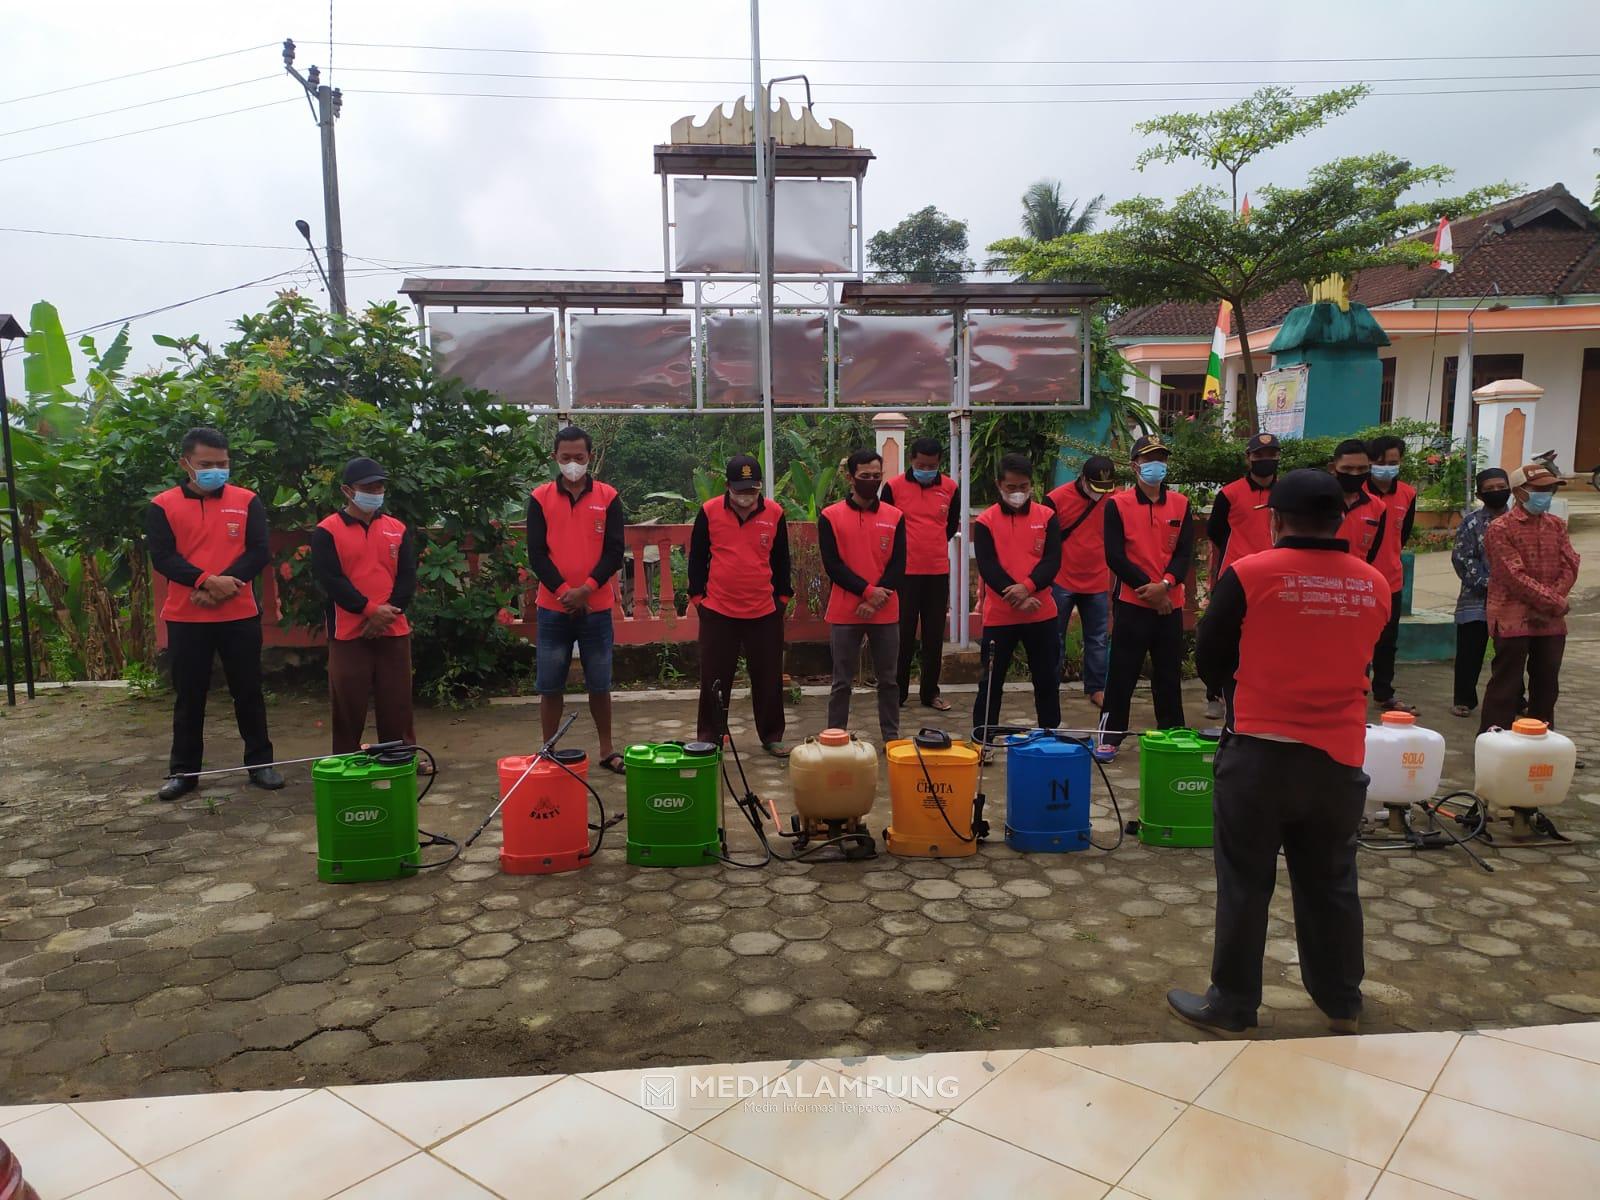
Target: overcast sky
[[568, 184]]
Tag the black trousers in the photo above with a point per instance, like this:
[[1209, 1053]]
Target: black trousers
[[760, 640], [1272, 795], [1135, 633], [193, 645], [1383, 654], [924, 604], [1041, 643], [1472, 640], [1540, 657]]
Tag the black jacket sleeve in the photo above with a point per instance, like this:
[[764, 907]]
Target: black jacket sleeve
[[327, 570], [894, 574], [1183, 552], [1216, 643], [952, 522], [989, 568], [699, 555], [782, 575], [1377, 538], [1117, 551], [405, 576], [539, 550], [256, 554], [1410, 520], [612, 547], [1217, 527], [1049, 566], [887, 494], [840, 575], [162, 545]]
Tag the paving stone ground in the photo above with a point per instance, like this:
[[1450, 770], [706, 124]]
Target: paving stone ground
[[148, 948]]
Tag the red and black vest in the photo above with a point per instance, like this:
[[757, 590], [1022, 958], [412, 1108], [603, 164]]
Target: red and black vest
[[1360, 526], [209, 532], [866, 543], [369, 557], [1249, 522], [927, 514], [1083, 551], [1311, 620], [1150, 533], [576, 534], [1396, 503], [739, 583], [1019, 539]]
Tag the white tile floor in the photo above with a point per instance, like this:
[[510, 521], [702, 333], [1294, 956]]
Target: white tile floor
[[1501, 1115]]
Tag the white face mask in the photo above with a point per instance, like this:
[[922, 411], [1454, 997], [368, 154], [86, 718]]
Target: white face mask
[[1016, 499], [574, 471]]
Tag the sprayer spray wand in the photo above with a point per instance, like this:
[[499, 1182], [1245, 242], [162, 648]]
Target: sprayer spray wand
[[373, 750], [544, 752]]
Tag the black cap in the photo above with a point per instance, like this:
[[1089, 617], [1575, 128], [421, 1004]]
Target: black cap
[[1307, 493], [744, 473], [1261, 441], [1150, 443], [1489, 473], [363, 470], [1098, 474]]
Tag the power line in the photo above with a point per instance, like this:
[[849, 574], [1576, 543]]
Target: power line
[[990, 62], [149, 129], [111, 237], [189, 62], [142, 104]]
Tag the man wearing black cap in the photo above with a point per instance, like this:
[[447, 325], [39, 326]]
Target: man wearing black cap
[[1149, 541], [1084, 581], [1239, 525], [739, 580], [1288, 771], [366, 564], [1471, 562], [928, 498]]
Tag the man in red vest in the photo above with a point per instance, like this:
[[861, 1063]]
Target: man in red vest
[[928, 499], [862, 542], [1017, 544], [1149, 542], [1399, 500], [1291, 629], [1084, 581], [575, 547], [1239, 525], [209, 539], [1365, 517], [740, 581], [366, 564]]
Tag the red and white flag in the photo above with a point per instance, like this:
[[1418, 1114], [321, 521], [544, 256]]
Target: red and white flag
[[1443, 244]]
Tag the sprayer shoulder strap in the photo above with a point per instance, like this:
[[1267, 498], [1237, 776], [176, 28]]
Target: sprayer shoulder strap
[[1088, 512]]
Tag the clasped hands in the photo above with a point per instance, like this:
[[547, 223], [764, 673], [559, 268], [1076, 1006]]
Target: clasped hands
[[1157, 595], [1020, 596], [215, 590], [873, 599]]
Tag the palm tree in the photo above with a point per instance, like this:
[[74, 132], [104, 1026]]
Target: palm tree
[[1045, 217]]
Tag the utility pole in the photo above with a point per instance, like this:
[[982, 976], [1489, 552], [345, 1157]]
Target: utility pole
[[325, 103], [764, 222]]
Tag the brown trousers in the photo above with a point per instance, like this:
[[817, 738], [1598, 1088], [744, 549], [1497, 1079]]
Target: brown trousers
[[363, 672]]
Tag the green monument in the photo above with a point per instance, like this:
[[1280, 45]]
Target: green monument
[[1338, 341]]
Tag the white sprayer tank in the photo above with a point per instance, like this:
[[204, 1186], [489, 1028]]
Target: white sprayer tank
[[1403, 760], [1526, 766]]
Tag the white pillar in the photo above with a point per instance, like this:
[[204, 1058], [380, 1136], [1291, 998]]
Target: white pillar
[[1505, 412], [890, 431], [1463, 394]]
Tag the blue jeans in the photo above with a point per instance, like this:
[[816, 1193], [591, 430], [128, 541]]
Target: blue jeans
[[1094, 611], [556, 633]]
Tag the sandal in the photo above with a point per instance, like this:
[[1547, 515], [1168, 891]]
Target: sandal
[[1460, 710], [613, 763], [776, 749], [939, 704], [1392, 704], [424, 768]]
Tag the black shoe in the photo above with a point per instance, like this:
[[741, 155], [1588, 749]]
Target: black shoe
[[266, 777], [1197, 1011], [178, 785], [1350, 1025]]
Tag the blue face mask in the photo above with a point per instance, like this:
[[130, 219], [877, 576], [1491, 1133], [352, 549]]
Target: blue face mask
[[1538, 502], [211, 478], [368, 502], [1386, 474], [1153, 473], [922, 476]]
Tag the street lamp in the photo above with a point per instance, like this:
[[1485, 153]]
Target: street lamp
[[1465, 372], [304, 227]]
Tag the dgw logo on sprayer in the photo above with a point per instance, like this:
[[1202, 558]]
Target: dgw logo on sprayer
[[669, 803], [1191, 787], [364, 817]]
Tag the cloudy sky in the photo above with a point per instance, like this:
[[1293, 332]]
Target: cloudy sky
[[560, 175]]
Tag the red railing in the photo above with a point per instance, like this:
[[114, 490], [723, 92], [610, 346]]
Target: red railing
[[653, 605]]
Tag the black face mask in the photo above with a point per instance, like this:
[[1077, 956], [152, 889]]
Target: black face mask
[[868, 489], [1264, 468], [1495, 500], [1353, 483]]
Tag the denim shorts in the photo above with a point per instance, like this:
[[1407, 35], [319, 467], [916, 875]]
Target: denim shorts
[[557, 631]]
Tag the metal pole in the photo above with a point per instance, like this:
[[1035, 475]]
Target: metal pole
[[5, 629], [16, 544], [327, 108], [1464, 371], [764, 221], [666, 233]]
